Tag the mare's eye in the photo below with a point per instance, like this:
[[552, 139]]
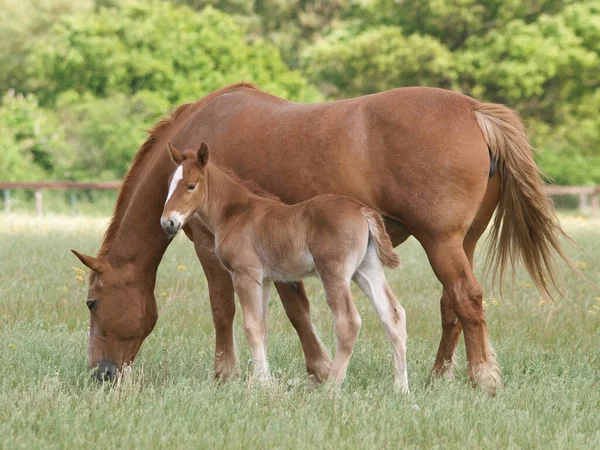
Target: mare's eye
[[191, 187], [91, 304]]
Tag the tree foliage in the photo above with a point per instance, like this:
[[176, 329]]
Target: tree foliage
[[94, 73]]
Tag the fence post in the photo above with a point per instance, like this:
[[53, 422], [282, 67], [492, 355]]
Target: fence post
[[38, 202], [73, 203], [7, 204], [583, 202], [595, 206]]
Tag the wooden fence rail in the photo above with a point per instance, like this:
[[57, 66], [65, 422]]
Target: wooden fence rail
[[588, 195], [39, 186]]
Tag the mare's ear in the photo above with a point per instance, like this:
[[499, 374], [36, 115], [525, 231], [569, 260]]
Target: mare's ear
[[176, 156], [89, 261], [203, 154]]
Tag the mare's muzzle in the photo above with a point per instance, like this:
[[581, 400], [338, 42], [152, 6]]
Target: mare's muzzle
[[105, 371]]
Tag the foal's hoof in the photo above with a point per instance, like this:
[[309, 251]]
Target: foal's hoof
[[401, 387]]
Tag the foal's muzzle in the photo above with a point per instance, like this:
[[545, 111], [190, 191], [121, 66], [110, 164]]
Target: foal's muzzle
[[105, 371], [171, 225]]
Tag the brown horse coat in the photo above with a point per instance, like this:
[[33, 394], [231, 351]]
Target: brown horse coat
[[418, 155]]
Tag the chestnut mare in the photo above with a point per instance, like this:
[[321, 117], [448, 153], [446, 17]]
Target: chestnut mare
[[436, 164], [260, 240]]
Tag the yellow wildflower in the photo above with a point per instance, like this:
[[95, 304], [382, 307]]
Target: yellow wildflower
[[11, 345], [525, 284], [164, 294], [582, 264], [484, 304], [591, 313], [181, 268], [4, 316], [542, 302], [79, 277], [595, 307], [494, 302]]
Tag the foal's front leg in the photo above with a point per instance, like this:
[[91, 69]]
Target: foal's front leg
[[250, 293]]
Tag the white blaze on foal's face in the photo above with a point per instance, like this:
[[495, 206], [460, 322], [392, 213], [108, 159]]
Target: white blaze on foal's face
[[177, 176], [187, 188]]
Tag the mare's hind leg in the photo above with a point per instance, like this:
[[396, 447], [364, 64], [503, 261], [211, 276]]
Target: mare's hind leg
[[451, 326], [370, 277], [465, 296], [346, 318], [451, 329], [296, 305]]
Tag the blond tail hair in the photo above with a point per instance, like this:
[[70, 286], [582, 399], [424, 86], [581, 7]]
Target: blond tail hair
[[525, 228], [383, 244]]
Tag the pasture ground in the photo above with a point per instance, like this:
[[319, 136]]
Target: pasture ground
[[550, 355]]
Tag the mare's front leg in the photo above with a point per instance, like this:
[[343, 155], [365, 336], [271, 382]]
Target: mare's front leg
[[296, 305], [222, 303], [251, 294]]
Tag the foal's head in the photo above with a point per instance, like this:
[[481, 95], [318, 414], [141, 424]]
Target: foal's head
[[188, 188]]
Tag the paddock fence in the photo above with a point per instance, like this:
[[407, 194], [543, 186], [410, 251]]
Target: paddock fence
[[588, 196]]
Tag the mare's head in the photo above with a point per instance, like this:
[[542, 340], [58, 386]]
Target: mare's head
[[122, 314], [188, 188]]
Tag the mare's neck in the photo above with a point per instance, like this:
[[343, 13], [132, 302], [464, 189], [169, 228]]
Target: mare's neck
[[140, 240], [225, 199]]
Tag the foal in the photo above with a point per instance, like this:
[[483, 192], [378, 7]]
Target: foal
[[260, 240]]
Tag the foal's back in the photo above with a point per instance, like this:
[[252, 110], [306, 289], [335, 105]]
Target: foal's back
[[287, 242]]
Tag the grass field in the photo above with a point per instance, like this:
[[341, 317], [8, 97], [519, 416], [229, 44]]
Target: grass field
[[550, 355]]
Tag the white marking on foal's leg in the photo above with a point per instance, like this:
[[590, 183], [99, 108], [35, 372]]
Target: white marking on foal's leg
[[250, 294], [266, 293], [177, 176], [370, 277]]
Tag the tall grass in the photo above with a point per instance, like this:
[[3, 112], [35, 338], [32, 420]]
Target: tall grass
[[550, 355]]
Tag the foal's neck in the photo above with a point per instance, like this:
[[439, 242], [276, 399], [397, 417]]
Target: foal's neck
[[225, 199]]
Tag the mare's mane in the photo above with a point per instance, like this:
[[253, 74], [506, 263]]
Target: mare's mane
[[142, 155]]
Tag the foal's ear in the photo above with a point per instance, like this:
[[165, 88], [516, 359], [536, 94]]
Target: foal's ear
[[89, 261], [203, 154], [176, 155]]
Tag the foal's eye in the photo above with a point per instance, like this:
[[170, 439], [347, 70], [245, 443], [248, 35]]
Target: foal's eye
[[191, 187]]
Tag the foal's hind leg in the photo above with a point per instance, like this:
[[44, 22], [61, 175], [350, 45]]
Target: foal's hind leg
[[370, 277], [345, 316]]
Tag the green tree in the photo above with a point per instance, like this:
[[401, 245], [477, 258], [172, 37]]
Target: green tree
[[106, 132], [24, 22], [32, 144], [378, 59], [158, 47]]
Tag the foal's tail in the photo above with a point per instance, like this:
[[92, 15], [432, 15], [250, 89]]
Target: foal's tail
[[525, 227], [383, 245]]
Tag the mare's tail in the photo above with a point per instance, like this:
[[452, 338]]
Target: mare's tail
[[383, 245], [525, 227]]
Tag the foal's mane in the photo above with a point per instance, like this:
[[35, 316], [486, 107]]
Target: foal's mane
[[142, 155], [251, 185]]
